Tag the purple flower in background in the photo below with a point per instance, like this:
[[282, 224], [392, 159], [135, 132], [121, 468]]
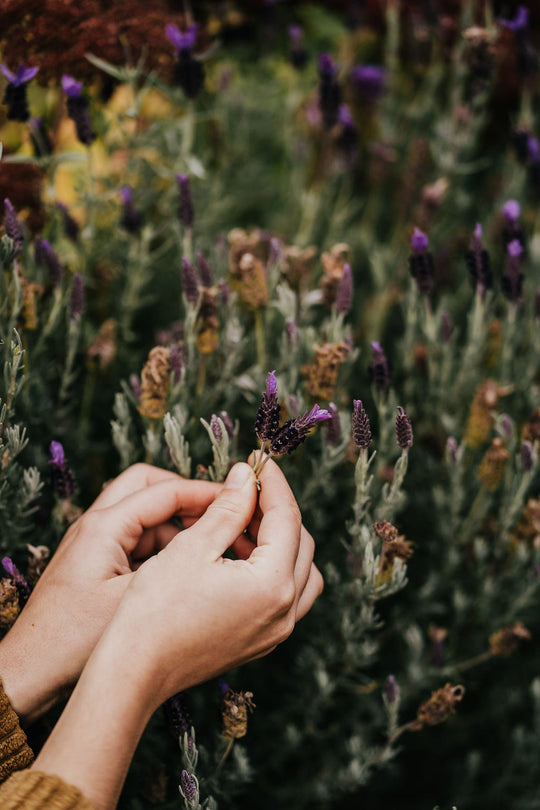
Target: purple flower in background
[[190, 282], [76, 305], [189, 72], [361, 428], [62, 480], [224, 292], [347, 139], [512, 230], [391, 689], [228, 422], [291, 330], [512, 280], [188, 786], [205, 271], [520, 21], [537, 305], [525, 53], [135, 385], [404, 434], [294, 431], [23, 588], [368, 83], [77, 107], [71, 226], [12, 225], [511, 210], [527, 456], [177, 360], [45, 256], [379, 368], [185, 201], [478, 262], [333, 426], [298, 54], [344, 295], [15, 93], [452, 450], [177, 716], [421, 264], [131, 219], [267, 418], [215, 427], [329, 91]]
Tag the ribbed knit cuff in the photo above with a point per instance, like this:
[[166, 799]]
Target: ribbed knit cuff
[[15, 753], [35, 790]]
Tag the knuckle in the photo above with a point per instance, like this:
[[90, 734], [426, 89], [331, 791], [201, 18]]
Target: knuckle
[[225, 507], [319, 582], [284, 597]]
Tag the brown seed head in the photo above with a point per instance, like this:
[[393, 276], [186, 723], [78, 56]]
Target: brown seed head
[[333, 263], [37, 562], [102, 350], [29, 312], [234, 713], [298, 265], [394, 546], [9, 604], [207, 337], [528, 529], [531, 429], [440, 705], [322, 374], [155, 380], [506, 641], [492, 467], [482, 413]]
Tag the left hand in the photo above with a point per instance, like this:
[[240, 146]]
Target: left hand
[[45, 651]]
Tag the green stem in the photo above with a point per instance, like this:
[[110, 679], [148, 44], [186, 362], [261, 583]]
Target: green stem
[[260, 338]]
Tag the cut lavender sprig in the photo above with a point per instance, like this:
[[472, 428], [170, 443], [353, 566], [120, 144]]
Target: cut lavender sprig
[[267, 418]]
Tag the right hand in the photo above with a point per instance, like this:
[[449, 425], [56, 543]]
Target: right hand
[[189, 613]]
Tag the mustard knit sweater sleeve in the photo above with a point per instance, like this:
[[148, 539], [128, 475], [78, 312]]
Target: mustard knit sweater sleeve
[[24, 789]]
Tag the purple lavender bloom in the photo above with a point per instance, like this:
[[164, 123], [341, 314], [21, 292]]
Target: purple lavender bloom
[[71, 226], [294, 431], [391, 689], [520, 21], [298, 54], [12, 225], [188, 786], [77, 107], [344, 295], [421, 264], [205, 271], [525, 54], [177, 716], [478, 262], [361, 428], [447, 327], [223, 686], [369, 83], [527, 456], [452, 450], [404, 434], [182, 41], [506, 427], [380, 370], [512, 280], [267, 418], [136, 387], [76, 305], [329, 91], [228, 422], [131, 219], [45, 255], [291, 330], [185, 202], [533, 149], [190, 282], [189, 72], [333, 426], [224, 292], [15, 93], [23, 588], [215, 427], [62, 480], [511, 210], [513, 230]]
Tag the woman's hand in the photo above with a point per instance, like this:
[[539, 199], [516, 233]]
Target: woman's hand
[[44, 653], [190, 613]]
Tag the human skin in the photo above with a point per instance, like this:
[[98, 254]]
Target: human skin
[[188, 614]]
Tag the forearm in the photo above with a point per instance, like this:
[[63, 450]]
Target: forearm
[[94, 740]]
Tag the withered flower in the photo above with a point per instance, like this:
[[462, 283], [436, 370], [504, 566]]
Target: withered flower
[[298, 266], [323, 372], [250, 282], [102, 350], [528, 528], [531, 429], [506, 641], [37, 562], [493, 465], [9, 604], [333, 263], [29, 320], [394, 545], [482, 413], [207, 327], [440, 705], [437, 635], [234, 713], [155, 381]]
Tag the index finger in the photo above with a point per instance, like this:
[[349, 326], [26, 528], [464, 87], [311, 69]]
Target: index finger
[[281, 523], [136, 477]]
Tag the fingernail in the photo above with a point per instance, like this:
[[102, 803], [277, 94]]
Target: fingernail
[[238, 475]]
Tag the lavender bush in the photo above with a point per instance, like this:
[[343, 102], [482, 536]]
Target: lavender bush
[[349, 198]]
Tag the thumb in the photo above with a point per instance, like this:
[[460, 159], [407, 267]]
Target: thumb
[[229, 514]]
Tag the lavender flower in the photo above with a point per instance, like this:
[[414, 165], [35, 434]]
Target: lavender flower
[[333, 426], [344, 295], [294, 431], [77, 107], [23, 588], [298, 54], [15, 93], [379, 369], [189, 281], [177, 716], [347, 139], [185, 202], [45, 255], [525, 55], [136, 387], [76, 305], [224, 292], [62, 480], [131, 219], [329, 91], [391, 689], [421, 264], [512, 280], [12, 225], [478, 262], [361, 428], [368, 83], [527, 456], [267, 418], [452, 450], [291, 331], [205, 271], [404, 434], [228, 422], [520, 21], [513, 230], [71, 226], [189, 72], [188, 786], [216, 428]]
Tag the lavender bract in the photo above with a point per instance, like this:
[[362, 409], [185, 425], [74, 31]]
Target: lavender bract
[[361, 427], [421, 264], [63, 482], [294, 431], [15, 93], [478, 262], [379, 368], [77, 107]]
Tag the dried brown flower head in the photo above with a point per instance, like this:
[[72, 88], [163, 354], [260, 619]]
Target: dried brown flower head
[[394, 546], [207, 337], [531, 429], [333, 263], [22, 184], [28, 318], [482, 413], [506, 641], [321, 375], [528, 529], [298, 265], [37, 562], [440, 705], [155, 381], [247, 272], [9, 604], [492, 467], [102, 350], [234, 713]]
